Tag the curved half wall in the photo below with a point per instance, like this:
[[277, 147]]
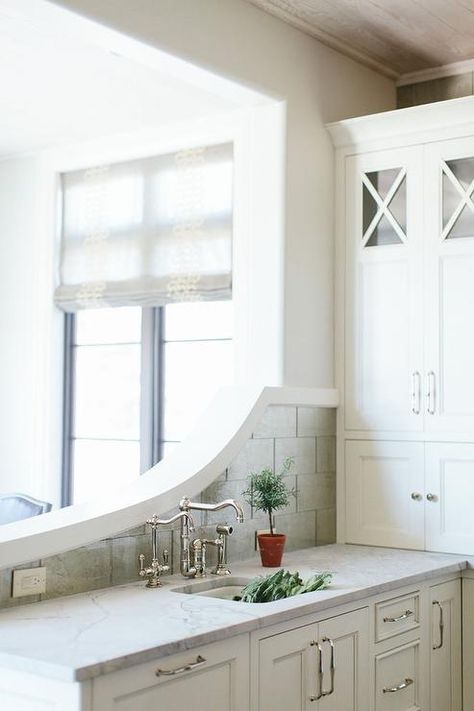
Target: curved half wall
[[215, 441]]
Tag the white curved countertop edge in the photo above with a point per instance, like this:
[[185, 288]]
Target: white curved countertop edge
[[215, 441]]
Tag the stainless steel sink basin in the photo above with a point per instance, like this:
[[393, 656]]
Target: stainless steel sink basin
[[222, 588]]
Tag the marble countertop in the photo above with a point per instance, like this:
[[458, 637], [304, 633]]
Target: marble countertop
[[86, 635]]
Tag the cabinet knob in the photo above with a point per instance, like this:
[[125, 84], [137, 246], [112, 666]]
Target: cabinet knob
[[416, 496], [431, 497]]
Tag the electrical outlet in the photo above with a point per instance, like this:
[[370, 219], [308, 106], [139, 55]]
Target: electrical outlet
[[29, 581], [263, 530]]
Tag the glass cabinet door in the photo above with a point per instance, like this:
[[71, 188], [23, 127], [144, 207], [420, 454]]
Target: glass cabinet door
[[383, 355], [449, 277]]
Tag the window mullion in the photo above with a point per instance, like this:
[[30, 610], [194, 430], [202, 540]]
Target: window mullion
[[151, 416], [68, 409], [159, 390]]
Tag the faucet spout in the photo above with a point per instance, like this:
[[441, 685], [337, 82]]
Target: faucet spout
[[185, 504]]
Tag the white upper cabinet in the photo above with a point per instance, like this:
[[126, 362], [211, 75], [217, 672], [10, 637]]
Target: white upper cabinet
[[409, 289], [449, 293], [383, 298]]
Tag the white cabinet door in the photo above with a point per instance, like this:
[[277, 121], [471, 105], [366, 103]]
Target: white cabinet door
[[288, 670], [449, 516], [212, 678], [384, 493], [445, 646], [449, 294], [315, 667], [346, 638], [383, 300]]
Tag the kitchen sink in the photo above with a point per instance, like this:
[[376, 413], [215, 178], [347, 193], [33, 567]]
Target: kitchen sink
[[222, 588]]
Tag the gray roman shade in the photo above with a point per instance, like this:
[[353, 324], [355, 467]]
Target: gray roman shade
[[148, 232]]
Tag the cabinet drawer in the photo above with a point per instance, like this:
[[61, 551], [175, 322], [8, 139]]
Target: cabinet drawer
[[397, 615], [397, 679], [220, 671]]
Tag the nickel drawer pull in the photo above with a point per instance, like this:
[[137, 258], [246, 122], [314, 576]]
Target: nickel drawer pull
[[398, 687], [403, 616], [431, 393], [441, 625], [320, 672], [170, 672], [332, 667]]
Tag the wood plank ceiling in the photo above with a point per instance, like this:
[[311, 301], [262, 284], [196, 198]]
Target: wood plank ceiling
[[396, 37]]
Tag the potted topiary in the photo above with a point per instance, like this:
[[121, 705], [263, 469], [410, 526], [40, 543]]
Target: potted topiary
[[267, 491]]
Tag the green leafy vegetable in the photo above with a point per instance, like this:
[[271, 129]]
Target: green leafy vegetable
[[282, 584]]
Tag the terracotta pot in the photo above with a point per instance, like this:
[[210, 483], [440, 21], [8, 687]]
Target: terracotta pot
[[271, 549]]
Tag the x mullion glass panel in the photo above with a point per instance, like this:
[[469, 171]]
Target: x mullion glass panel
[[384, 232], [463, 172]]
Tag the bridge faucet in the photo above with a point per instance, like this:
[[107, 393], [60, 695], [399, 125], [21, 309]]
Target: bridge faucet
[[193, 554], [154, 570]]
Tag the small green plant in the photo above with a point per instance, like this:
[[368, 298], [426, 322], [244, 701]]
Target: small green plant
[[267, 490]]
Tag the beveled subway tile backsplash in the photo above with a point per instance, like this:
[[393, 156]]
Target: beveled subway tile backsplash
[[306, 434]]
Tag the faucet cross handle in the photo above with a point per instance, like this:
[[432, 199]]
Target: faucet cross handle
[[153, 571]]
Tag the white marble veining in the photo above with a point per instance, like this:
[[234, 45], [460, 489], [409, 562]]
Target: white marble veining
[[89, 634]]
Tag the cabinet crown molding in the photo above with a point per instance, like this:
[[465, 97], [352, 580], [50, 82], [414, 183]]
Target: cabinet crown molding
[[416, 124]]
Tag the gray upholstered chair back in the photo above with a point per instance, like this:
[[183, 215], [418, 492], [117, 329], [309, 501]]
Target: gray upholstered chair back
[[14, 507]]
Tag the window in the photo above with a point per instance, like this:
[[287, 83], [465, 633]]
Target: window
[[146, 282], [136, 381]]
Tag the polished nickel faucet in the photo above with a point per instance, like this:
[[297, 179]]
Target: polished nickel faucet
[[193, 553], [199, 548], [155, 569]]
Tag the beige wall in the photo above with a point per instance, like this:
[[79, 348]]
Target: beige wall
[[239, 41]]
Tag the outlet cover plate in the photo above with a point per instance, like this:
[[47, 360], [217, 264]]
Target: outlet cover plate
[[29, 581]]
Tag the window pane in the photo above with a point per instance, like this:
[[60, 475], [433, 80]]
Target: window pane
[[193, 373], [103, 466], [120, 325], [197, 321], [107, 392]]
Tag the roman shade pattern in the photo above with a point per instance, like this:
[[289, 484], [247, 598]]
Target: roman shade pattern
[[148, 232]]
